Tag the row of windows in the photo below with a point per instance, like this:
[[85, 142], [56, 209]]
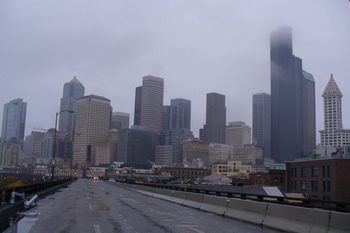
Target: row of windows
[[314, 186], [303, 171]]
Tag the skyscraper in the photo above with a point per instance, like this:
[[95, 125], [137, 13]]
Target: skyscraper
[[151, 103], [12, 133], [214, 129], [309, 114], [333, 133], [288, 97], [180, 114], [72, 91], [262, 122], [13, 121], [93, 117], [165, 118], [138, 103]]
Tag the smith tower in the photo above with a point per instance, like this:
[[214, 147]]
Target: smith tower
[[333, 133], [288, 97]]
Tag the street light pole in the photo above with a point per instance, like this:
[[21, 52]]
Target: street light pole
[[53, 162]]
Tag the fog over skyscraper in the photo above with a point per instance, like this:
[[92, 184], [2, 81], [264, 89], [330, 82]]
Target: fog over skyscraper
[[72, 91], [289, 95]]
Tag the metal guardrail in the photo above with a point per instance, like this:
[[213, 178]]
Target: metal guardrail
[[301, 202], [29, 189], [8, 211]]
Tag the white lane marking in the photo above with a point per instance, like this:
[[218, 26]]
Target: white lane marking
[[190, 227], [195, 230], [90, 207], [97, 228]]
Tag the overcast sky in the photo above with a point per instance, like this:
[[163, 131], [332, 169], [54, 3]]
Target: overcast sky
[[197, 46]]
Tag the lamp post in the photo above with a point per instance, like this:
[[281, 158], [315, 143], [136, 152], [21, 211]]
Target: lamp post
[[53, 162]]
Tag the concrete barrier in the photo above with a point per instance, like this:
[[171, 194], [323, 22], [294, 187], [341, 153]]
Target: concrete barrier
[[339, 222], [193, 200], [214, 204], [177, 196], [248, 211], [296, 219]]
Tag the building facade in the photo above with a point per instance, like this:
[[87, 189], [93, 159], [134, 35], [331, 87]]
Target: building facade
[[288, 97], [13, 120], [322, 179], [137, 147], [220, 153], [249, 154], [93, 117], [180, 114], [72, 91], [196, 153], [164, 155], [138, 103], [231, 169], [309, 114], [214, 128], [106, 150], [333, 133], [120, 120], [151, 103], [238, 134], [262, 122]]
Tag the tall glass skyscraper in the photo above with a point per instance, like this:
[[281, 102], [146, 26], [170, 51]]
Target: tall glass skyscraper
[[72, 91], [289, 94], [262, 122], [13, 121]]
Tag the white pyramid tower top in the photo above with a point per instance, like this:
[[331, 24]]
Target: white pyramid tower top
[[332, 89]]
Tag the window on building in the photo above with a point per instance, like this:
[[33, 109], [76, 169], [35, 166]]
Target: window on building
[[303, 172], [323, 171], [328, 186], [314, 171], [314, 185], [303, 185], [328, 171], [324, 187]]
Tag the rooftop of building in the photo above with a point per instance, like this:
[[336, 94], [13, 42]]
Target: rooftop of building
[[332, 89], [308, 76], [92, 96]]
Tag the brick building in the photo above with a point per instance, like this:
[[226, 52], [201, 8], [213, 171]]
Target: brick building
[[324, 179]]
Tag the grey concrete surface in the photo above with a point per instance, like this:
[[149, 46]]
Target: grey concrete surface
[[102, 207]]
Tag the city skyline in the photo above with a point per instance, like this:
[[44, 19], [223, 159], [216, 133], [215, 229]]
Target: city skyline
[[310, 40]]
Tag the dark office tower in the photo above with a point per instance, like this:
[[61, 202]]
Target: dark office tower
[[286, 98], [262, 122], [180, 114], [309, 113], [165, 118], [13, 121], [137, 111], [152, 103], [214, 129], [72, 91]]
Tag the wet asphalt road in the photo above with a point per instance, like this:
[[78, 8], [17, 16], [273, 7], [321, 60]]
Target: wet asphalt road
[[102, 207]]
